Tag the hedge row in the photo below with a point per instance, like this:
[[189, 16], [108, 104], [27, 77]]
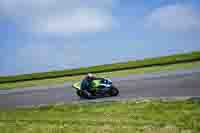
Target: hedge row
[[173, 59]]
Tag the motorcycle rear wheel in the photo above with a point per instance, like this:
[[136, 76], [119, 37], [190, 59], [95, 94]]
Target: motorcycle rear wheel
[[79, 93], [83, 94]]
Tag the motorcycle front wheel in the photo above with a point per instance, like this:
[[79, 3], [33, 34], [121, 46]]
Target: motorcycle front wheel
[[113, 91]]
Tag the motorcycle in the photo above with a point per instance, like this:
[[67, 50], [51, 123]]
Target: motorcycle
[[101, 87]]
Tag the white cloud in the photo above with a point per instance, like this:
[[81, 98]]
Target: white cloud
[[82, 20], [63, 16], [175, 18]]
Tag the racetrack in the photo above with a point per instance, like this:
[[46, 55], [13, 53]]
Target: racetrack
[[166, 84]]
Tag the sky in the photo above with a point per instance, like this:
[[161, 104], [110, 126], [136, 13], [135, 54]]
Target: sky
[[46, 35]]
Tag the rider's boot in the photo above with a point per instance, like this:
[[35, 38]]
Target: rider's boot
[[86, 94]]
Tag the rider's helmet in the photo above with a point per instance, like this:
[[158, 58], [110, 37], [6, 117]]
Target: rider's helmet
[[90, 76]]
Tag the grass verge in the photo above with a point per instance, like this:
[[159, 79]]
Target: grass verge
[[149, 116], [54, 81], [158, 61]]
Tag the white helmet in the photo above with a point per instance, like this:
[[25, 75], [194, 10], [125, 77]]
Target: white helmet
[[89, 75]]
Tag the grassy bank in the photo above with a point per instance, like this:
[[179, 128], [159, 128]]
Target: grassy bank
[[159, 61], [111, 117], [46, 82]]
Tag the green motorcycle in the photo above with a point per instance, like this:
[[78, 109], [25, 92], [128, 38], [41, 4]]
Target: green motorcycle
[[100, 88]]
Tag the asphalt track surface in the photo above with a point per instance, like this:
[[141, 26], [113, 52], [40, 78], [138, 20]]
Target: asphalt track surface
[[182, 83]]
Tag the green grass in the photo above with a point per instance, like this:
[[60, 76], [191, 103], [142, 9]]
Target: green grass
[[105, 68], [111, 117], [54, 81], [109, 74]]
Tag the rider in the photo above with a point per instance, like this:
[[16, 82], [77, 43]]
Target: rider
[[87, 82]]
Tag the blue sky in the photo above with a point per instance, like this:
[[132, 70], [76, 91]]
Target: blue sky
[[37, 36]]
